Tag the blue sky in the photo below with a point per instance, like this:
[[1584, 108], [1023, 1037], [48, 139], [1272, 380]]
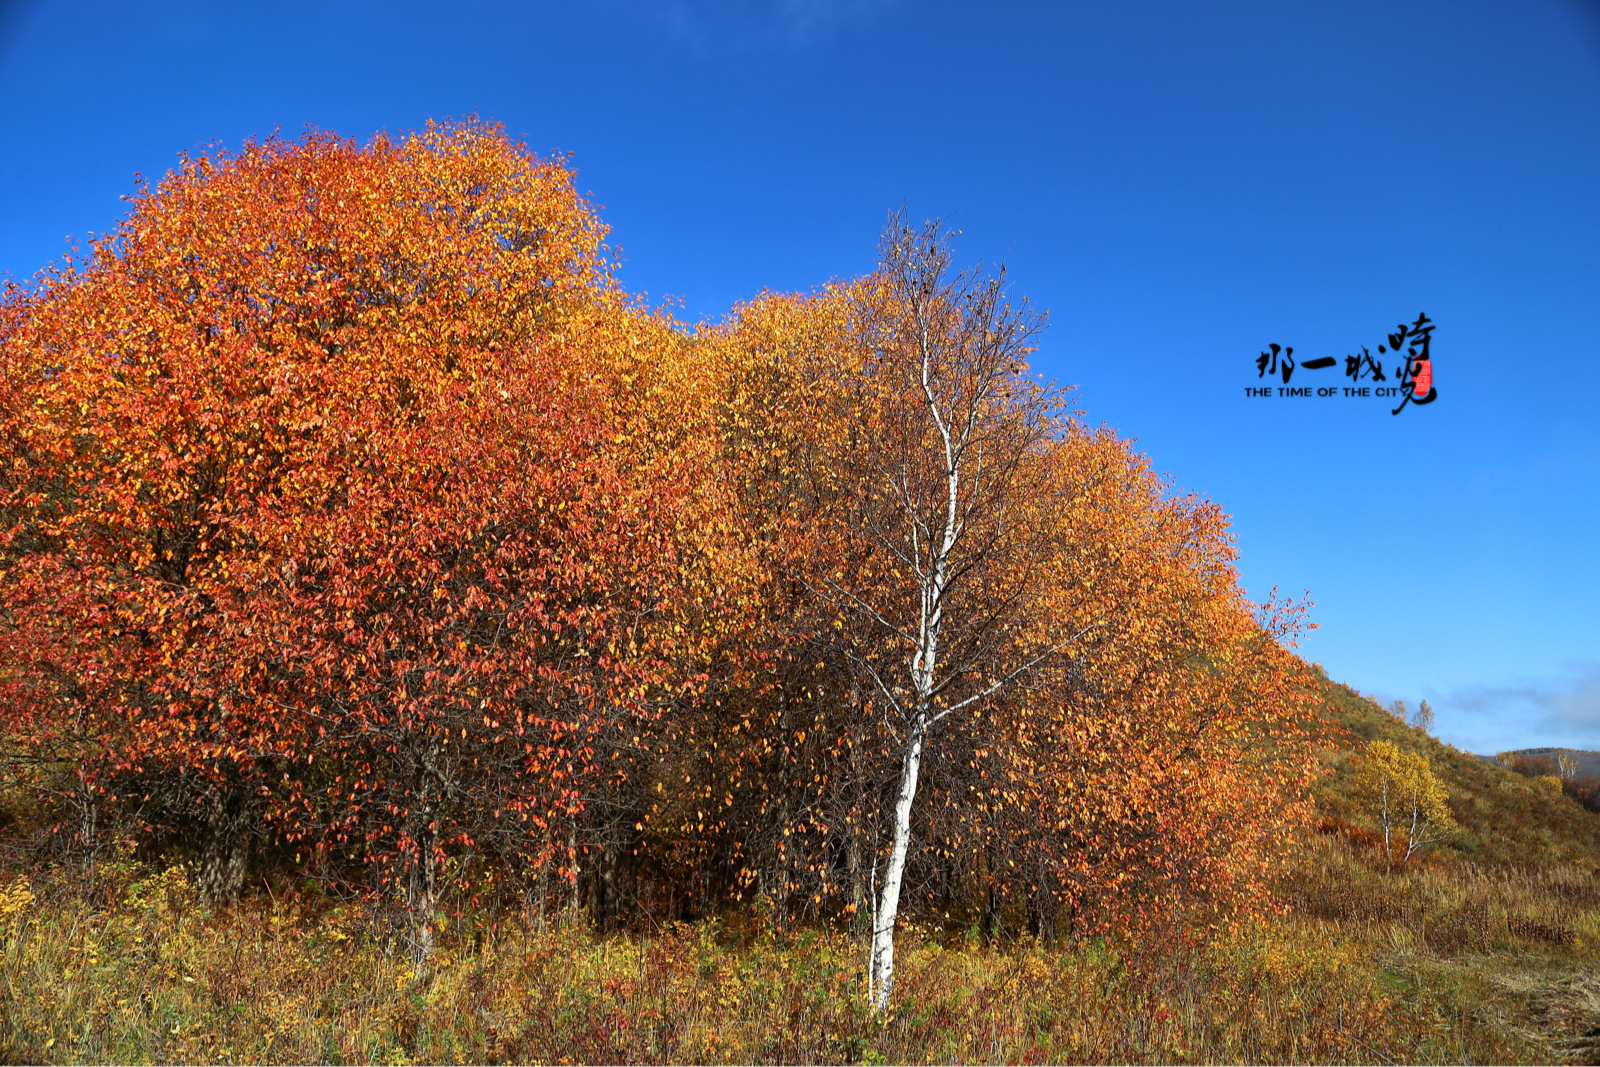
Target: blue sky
[[1181, 185]]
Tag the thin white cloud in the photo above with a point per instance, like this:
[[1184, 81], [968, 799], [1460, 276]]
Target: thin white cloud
[[1556, 712], [721, 27]]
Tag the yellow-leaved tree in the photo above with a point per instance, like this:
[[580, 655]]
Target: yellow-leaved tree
[[1406, 797]]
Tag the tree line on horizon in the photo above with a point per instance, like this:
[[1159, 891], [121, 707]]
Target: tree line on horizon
[[1561, 769], [355, 520]]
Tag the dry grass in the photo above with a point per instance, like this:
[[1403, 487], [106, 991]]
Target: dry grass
[[1450, 905], [1485, 952], [151, 977], [1521, 945]]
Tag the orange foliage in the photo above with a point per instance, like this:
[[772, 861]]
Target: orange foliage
[[346, 501], [333, 492], [1153, 764]]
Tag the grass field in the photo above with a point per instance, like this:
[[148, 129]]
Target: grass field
[[1484, 952]]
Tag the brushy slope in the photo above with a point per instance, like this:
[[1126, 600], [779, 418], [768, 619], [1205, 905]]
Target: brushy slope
[[1505, 819], [1504, 916], [1588, 760]]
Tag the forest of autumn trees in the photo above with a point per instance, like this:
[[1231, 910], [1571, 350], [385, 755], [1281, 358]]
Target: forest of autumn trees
[[356, 521]]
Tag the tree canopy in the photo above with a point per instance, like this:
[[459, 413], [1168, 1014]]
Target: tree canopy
[[350, 511]]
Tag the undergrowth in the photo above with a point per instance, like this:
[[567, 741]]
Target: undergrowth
[[1484, 951], [139, 971]]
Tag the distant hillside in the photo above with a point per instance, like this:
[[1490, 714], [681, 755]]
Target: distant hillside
[[1504, 817], [1588, 761]]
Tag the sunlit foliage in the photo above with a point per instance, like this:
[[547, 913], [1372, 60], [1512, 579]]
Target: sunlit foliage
[[354, 521]]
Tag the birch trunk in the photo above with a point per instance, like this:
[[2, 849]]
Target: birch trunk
[[1411, 838], [964, 342], [935, 586], [882, 975], [1387, 853]]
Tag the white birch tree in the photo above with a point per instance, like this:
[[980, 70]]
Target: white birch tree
[[948, 507]]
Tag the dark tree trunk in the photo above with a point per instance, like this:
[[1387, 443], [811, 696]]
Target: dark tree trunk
[[1042, 914], [422, 886], [993, 927], [858, 887], [604, 888], [859, 918], [225, 844], [421, 827], [542, 885]]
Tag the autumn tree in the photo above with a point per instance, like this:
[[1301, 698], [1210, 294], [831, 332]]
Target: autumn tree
[[1156, 758], [336, 505], [1422, 718], [1405, 797], [349, 505], [937, 516], [945, 529]]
